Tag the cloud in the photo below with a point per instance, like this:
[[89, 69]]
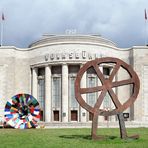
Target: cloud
[[121, 21]]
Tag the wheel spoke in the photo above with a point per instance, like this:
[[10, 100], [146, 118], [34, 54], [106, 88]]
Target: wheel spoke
[[99, 73], [123, 82], [114, 98], [91, 90], [100, 100], [115, 69]]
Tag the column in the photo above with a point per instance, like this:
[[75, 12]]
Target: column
[[47, 94], [30, 81], [34, 83], [64, 93], [83, 112]]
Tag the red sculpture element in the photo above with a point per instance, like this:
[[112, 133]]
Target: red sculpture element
[[107, 86]]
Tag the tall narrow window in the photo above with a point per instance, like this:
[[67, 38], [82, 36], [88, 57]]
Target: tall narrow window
[[56, 92], [41, 91], [73, 101], [91, 97], [107, 102], [92, 81], [73, 104]]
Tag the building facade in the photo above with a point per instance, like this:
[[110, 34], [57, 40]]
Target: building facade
[[47, 69]]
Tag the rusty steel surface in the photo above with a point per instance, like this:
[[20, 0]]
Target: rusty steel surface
[[107, 86]]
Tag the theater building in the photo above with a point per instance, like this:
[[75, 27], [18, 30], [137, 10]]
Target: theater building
[[47, 69]]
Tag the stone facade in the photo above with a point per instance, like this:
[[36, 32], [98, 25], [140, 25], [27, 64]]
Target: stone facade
[[51, 64]]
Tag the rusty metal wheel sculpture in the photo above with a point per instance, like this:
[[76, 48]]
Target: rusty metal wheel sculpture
[[107, 86]]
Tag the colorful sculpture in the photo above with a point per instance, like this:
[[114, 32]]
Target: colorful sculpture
[[22, 111]]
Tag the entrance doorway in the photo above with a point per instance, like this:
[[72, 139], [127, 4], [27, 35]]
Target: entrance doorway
[[56, 115], [74, 115]]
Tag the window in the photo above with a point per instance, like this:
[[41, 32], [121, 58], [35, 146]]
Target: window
[[73, 101], [73, 69], [41, 71], [91, 70], [73, 104], [92, 81], [91, 97], [56, 70], [107, 102], [41, 91], [56, 92], [107, 105], [106, 71]]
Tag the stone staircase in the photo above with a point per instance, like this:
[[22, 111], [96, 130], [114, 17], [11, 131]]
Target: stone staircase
[[106, 124]]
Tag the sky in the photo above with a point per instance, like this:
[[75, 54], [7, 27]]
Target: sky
[[121, 21]]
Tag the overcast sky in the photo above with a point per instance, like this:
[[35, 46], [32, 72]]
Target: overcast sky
[[121, 21]]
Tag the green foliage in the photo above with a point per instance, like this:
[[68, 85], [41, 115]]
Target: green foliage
[[70, 138]]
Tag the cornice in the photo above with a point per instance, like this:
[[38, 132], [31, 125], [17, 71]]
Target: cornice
[[72, 38]]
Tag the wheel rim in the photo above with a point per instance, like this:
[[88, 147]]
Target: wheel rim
[[107, 86]]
